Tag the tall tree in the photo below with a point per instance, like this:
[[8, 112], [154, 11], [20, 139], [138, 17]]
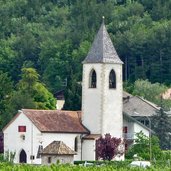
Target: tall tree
[[161, 125]]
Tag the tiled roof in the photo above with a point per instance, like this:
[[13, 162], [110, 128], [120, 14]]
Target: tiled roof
[[56, 120], [58, 147], [136, 106], [102, 50]]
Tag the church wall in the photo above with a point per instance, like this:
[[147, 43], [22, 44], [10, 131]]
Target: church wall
[[91, 99], [14, 141], [88, 150], [112, 102], [68, 139]]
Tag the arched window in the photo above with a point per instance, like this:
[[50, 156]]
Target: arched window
[[112, 79], [93, 79]]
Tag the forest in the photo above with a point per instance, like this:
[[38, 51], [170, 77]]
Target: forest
[[43, 44]]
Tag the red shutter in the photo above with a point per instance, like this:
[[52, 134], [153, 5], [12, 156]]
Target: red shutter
[[21, 128]]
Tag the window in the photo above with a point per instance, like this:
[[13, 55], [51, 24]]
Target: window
[[49, 159], [21, 128], [125, 129], [112, 79], [40, 149], [32, 157], [93, 79], [76, 144]]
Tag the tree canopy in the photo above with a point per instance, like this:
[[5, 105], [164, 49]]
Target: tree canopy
[[54, 37]]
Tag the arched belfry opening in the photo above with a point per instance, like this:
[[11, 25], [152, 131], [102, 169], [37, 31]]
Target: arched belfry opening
[[112, 79], [93, 79], [23, 157]]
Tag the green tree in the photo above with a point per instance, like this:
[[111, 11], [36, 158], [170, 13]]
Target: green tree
[[73, 95], [161, 125], [142, 147], [151, 92], [6, 89], [30, 93]]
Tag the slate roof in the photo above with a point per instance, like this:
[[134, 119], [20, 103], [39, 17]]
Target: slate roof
[[102, 50], [56, 120], [58, 148], [137, 106]]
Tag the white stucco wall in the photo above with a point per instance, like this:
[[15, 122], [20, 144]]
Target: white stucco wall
[[138, 128], [14, 143], [91, 99], [101, 106], [88, 150], [133, 128], [68, 139], [112, 102], [34, 138]]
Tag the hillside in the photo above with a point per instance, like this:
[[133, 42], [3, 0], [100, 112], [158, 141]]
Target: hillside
[[54, 36]]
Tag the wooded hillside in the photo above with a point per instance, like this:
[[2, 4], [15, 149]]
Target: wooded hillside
[[50, 38]]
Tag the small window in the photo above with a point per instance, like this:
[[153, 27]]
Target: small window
[[49, 159], [76, 144], [21, 128], [112, 79], [32, 157], [93, 79]]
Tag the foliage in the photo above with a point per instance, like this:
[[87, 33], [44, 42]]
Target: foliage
[[121, 166], [149, 91], [30, 93], [161, 126], [54, 37], [142, 147], [73, 95], [107, 147]]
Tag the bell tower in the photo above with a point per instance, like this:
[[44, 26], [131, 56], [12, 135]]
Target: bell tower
[[102, 87]]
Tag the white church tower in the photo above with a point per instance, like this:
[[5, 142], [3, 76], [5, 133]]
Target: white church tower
[[102, 87]]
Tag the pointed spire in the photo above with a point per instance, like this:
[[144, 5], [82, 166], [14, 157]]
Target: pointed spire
[[102, 50]]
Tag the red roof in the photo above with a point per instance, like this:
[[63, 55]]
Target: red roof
[[56, 120]]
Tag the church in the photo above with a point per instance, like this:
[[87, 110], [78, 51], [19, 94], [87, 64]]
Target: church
[[45, 136]]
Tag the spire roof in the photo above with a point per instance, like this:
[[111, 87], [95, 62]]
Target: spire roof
[[102, 49]]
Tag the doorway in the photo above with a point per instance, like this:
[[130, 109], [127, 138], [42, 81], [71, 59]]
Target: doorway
[[23, 157]]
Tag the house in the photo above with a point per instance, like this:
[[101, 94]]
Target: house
[[57, 151], [139, 108], [59, 95], [32, 133]]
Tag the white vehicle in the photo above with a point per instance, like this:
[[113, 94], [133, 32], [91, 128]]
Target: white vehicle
[[143, 164]]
